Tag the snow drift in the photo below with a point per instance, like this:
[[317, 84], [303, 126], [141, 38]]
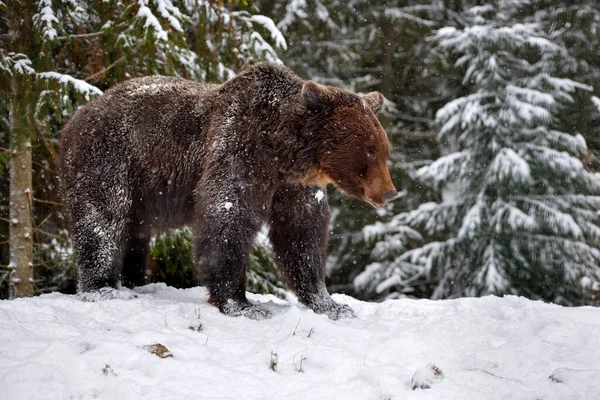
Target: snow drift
[[58, 347]]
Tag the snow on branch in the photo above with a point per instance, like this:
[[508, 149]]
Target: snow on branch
[[151, 21], [428, 254], [560, 222], [450, 167], [294, 10], [402, 14], [596, 102], [268, 24], [431, 218], [171, 13], [542, 136], [394, 238], [517, 219], [490, 276], [16, 64], [472, 221], [259, 45], [167, 10], [412, 271], [449, 114], [547, 246], [531, 96], [262, 48], [45, 20], [380, 229], [80, 86], [509, 165], [391, 244], [557, 161], [526, 113], [573, 200], [559, 85]]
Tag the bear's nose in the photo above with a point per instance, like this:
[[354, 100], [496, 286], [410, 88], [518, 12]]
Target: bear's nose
[[391, 195]]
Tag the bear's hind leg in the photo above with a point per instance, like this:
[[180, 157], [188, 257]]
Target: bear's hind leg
[[299, 233]]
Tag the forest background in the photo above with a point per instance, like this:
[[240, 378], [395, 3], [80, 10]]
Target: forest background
[[492, 110]]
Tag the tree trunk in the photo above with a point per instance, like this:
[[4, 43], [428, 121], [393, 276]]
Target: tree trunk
[[20, 236], [387, 67]]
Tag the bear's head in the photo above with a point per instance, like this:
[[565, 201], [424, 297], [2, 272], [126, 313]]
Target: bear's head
[[353, 147]]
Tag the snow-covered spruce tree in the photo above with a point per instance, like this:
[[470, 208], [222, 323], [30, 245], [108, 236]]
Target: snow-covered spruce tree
[[227, 38], [30, 88], [575, 27], [517, 211], [393, 59]]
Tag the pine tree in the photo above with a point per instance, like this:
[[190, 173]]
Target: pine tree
[[517, 209], [28, 88], [575, 27]]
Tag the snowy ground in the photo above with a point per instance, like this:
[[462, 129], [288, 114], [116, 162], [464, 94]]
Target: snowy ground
[[58, 347]]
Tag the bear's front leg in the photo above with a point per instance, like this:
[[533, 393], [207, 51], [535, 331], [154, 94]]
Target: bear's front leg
[[299, 234], [226, 230]]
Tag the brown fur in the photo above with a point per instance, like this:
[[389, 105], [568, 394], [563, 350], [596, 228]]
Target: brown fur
[[157, 153]]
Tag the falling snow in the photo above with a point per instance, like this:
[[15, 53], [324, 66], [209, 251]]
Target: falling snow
[[319, 195]]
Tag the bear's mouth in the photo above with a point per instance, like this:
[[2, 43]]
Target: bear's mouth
[[373, 203], [364, 197], [361, 195]]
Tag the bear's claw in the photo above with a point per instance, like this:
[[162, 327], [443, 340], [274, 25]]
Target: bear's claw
[[245, 309], [326, 305], [340, 311], [107, 293]]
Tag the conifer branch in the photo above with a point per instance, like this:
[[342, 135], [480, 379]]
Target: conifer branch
[[97, 74]]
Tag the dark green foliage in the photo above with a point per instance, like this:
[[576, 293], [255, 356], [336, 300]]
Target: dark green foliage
[[172, 259], [262, 275], [173, 263], [54, 266]]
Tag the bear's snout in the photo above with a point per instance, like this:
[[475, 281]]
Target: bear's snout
[[391, 195], [379, 188]]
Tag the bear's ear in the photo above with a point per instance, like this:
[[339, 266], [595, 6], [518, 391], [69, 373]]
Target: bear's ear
[[315, 95], [374, 100]]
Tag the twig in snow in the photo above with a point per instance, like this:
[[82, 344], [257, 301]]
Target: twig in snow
[[294, 333], [495, 376], [273, 361], [299, 366]]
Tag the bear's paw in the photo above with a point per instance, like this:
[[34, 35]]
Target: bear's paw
[[107, 293], [245, 309], [326, 305]]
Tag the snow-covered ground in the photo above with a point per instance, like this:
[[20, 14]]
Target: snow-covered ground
[[58, 347]]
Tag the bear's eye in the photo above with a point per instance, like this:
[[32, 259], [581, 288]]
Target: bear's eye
[[364, 171], [370, 154]]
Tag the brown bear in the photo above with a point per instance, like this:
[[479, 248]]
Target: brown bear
[[157, 153]]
